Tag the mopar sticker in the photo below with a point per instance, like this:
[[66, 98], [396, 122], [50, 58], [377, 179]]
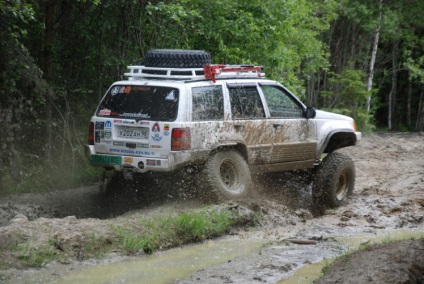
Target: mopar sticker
[[108, 124]]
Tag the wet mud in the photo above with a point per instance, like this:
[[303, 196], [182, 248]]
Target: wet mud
[[388, 196]]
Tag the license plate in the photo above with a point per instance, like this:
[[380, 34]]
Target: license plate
[[108, 160], [135, 133]]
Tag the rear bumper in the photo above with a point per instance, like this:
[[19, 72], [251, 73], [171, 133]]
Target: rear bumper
[[139, 164], [127, 163]]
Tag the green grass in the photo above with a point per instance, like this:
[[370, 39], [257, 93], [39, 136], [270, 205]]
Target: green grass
[[138, 235], [173, 230], [36, 257]]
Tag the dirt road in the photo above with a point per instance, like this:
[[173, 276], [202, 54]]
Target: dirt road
[[389, 195]]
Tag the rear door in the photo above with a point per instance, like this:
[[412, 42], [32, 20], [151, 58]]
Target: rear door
[[249, 120], [134, 120]]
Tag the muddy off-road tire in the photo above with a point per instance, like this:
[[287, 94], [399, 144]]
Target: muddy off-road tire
[[176, 58], [334, 181], [228, 175]]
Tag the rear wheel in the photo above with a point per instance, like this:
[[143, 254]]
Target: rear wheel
[[334, 181], [228, 175]]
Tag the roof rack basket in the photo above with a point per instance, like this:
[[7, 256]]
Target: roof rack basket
[[208, 72]]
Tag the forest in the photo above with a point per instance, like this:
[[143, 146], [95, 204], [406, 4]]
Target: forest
[[362, 58]]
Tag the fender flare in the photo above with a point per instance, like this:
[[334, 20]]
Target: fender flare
[[336, 139]]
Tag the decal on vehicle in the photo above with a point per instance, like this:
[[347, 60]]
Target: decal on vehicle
[[155, 146], [108, 134], [118, 143], [97, 137], [100, 125], [144, 122], [118, 120], [142, 145], [157, 138], [151, 162], [171, 96], [128, 121], [156, 127], [138, 115], [128, 160], [134, 152], [166, 129], [108, 124], [104, 112], [114, 91]]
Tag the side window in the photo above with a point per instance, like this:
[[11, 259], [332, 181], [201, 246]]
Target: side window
[[280, 104], [245, 102], [207, 103]]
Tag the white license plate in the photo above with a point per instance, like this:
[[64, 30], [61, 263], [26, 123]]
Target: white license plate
[[135, 133]]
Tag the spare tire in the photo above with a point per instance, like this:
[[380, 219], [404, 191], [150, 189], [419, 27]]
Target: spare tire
[[176, 58]]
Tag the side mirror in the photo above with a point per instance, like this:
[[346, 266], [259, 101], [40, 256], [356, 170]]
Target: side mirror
[[309, 112]]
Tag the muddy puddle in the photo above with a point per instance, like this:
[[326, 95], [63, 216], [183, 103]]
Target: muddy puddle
[[288, 262], [168, 266], [309, 273]]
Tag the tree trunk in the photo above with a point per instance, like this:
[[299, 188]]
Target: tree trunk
[[408, 103], [48, 74], [373, 56], [392, 96], [419, 126]]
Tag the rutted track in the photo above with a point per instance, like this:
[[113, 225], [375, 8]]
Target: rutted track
[[389, 194]]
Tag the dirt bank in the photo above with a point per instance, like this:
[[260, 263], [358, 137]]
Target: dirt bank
[[389, 194]]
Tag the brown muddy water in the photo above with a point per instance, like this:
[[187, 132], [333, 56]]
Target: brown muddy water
[[177, 265], [168, 266]]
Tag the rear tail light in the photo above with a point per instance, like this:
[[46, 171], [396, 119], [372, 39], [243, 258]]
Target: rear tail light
[[180, 139], [91, 134]]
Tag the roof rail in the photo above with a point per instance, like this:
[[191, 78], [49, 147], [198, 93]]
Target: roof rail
[[208, 72]]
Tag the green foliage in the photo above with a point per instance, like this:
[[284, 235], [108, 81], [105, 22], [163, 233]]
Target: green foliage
[[36, 257], [163, 231], [325, 44], [349, 95]]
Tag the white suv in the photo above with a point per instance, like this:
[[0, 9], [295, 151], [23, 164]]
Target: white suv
[[229, 121]]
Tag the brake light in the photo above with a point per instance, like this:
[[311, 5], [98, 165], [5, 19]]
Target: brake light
[[354, 126], [180, 139], [91, 134]]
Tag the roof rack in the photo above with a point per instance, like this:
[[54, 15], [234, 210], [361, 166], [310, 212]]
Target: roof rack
[[140, 72], [208, 72], [214, 71]]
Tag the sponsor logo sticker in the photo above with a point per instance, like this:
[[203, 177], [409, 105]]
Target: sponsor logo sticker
[[156, 127], [128, 160], [108, 124], [100, 125]]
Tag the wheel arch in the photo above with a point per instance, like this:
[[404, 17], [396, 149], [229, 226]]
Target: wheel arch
[[338, 139], [239, 147]]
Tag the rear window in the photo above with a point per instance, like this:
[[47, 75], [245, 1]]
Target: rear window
[[140, 102], [208, 103]]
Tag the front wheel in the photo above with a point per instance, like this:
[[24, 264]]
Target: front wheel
[[228, 175], [334, 180]]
